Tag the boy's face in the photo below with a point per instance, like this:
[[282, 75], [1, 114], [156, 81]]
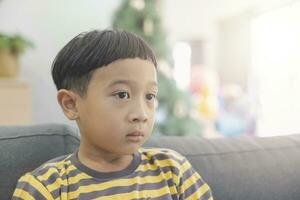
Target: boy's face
[[117, 114]]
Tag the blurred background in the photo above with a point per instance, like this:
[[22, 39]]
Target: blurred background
[[226, 68]]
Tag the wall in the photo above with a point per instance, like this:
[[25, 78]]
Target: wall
[[233, 53], [276, 47], [201, 20], [50, 24]]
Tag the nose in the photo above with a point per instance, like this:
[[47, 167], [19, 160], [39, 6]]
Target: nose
[[138, 112]]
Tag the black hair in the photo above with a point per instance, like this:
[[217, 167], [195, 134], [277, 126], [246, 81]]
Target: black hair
[[76, 62]]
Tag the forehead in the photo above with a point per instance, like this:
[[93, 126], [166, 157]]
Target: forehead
[[135, 70]]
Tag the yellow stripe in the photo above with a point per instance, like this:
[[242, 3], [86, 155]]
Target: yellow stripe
[[170, 162], [58, 164], [22, 194], [211, 198], [142, 168], [46, 175], [57, 184], [29, 179], [142, 193], [78, 177], [81, 176], [68, 170], [62, 196], [161, 163], [190, 181], [155, 151], [185, 166], [120, 182], [198, 193], [52, 170], [70, 181]]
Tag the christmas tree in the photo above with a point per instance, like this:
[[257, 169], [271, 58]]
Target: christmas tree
[[175, 113]]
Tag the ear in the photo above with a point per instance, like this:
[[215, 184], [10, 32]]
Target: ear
[[68, 101]]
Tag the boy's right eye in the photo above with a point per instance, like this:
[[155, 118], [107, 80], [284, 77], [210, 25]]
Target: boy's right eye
[[122, 95]]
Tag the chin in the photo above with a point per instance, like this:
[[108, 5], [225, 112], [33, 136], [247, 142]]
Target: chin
[[129, 151]]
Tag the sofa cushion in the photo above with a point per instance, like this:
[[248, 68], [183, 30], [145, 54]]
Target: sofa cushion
[[235, 168], [245, 168], [23, 148]]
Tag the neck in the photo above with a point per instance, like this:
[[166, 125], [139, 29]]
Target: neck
[[103, 161]]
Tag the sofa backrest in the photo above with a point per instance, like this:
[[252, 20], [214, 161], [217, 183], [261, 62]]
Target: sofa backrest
[[246, 168], [23, 148], [235, 168]]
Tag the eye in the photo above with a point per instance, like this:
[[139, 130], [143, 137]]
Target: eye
[[150, 97], [122, 95]]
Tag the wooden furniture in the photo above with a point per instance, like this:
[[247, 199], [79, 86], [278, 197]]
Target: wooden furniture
[[15, 102]]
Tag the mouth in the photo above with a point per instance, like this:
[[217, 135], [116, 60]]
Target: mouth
[[135, 136]]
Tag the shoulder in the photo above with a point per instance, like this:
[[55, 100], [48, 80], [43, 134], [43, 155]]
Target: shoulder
[[35, 184], [55, 165], [163, 155], [48, 172], [189, 183], [166, 161]]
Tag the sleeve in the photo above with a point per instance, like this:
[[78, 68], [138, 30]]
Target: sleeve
[[191, 185], [28, 187]]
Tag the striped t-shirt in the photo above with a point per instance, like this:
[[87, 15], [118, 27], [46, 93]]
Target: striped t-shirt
[[159, 174]]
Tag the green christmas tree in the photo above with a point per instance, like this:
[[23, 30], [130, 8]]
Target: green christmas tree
[[175, 108]]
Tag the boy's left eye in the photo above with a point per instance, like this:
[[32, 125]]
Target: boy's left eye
[[122, 95], [150, 97]]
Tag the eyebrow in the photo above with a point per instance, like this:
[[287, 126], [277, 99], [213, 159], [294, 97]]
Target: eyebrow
[[128, 82]]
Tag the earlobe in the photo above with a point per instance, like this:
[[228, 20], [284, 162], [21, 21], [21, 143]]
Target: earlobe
[[68, 102]]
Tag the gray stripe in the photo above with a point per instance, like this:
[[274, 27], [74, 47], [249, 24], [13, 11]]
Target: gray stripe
[[16, 198], [31, 190], [158, 171], [126, 189], [86, 182], [75, 186], [187, 174], [57, 193], [42, 170], [163, 197], [161, 156], [189, 191], [53, 177], [206, 195], [167, 197]]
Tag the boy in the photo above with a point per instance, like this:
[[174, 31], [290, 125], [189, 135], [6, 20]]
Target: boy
[[106, 81]]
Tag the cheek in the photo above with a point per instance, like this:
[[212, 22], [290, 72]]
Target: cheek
[[92, 114], [106, 119], [152, 115], [104, 127]]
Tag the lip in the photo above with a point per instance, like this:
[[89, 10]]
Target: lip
[[136, 136]]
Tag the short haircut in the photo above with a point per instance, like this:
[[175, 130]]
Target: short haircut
[[76, 62]]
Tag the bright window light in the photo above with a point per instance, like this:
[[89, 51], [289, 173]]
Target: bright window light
[[276, 61], [182, 68]]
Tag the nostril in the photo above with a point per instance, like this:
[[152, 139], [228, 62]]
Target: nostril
[[139, 118], [138, 114]]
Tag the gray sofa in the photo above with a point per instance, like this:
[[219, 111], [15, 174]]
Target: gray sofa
[[235, 168]]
